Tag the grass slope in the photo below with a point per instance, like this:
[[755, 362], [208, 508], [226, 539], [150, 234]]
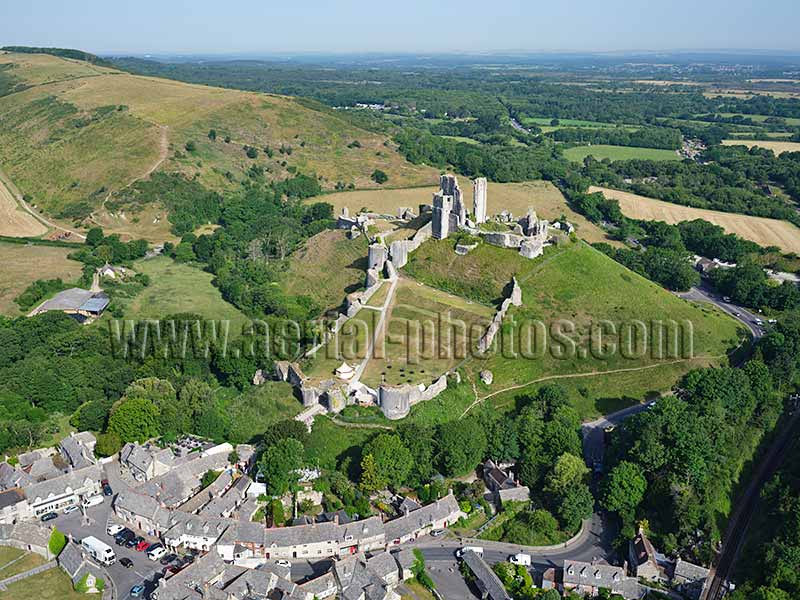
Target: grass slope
[[579, 284], [73, 132]]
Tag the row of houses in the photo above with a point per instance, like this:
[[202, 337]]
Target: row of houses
[[47, 479], [247, 543], [357, 577]]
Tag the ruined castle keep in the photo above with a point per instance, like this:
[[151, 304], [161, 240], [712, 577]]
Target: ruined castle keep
[[449, 209]]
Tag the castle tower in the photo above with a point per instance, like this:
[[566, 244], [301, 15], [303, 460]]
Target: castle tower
[[449, 186], [442, 205], [479, 199]]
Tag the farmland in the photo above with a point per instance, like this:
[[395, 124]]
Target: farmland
[[601, 152], [14, 221], [763, 231], [778, 147], [24, 264]]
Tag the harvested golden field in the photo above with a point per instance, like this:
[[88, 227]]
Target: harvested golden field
[[776, 147], [766, 232], [23, 264], [14, 221], [543, 196]]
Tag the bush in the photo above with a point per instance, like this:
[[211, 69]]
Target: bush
[[57, 542], [190, 146], [379, 177]]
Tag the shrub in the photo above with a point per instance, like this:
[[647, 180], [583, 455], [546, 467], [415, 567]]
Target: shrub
[[379, 177]]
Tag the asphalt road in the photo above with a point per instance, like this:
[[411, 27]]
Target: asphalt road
[[704, 293]]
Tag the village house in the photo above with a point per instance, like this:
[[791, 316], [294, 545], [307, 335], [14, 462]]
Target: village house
[[29, 537], [77, 449], [642, 558], [145, 462], [590, 578], [503, 487], [60, 492], [486, 580], [436, 515]]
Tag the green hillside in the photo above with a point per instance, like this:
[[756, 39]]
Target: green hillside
[[579, 285], [73, 133]]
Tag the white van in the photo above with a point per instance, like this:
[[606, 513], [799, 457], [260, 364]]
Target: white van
[[157, 553], [476, 549], [114, 529], [92, 501], [99, 551], [520, 559]]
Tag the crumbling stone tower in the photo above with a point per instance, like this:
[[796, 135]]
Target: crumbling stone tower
[[479, 199], [442, 206]]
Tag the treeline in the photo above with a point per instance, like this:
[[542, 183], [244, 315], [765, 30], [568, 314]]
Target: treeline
[[648, 137], [677, 465], [497, 163], [734, 179]]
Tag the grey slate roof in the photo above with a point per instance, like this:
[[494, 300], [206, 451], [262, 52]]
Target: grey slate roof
[[487, 580], [71, 560], [687, 571], [58, 485], [11, 477], [11, 497], [179, 484], [383, 565], [71, 299], [421, 518], [78, 455]]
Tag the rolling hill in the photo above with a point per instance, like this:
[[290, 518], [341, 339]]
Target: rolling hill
[[73, 133]]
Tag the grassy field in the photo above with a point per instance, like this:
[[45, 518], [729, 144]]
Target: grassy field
[[332, 444], [179, 288], [14, 561], [602, 151], [776, 146], [514, 197], [252, 412], [763, 231], [541, 121], [22, 265], [794, 122], [50, 585], [429, 331], [327, 268], [81, 132], [349, 345]]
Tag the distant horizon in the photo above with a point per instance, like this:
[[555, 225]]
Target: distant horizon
[[252, 27]]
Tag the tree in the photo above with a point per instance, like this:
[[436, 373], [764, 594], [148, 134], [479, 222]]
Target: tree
[[134, 420], [379, 177], [392, 458], [371, 478], [280, 465], [212, 134], [462, 445], [577, 504], [569, 471], [276, 513], [190, 146], [94, 237], [108, 444], [624, 488]]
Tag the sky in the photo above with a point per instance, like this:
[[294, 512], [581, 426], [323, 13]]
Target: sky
[[402, 26]]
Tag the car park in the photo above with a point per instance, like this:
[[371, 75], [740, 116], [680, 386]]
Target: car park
[[49, 517]]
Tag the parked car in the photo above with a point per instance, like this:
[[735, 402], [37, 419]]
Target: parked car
[[520, 559], [92, 501], [126, 562], [107, 491], [123, 537], [142, 546], [188, 558], [114, 528], [70, 509], [173, 569], [137, 591], [168, 559], [437, 532], [156, 551], [48, 517], [283, 563]]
